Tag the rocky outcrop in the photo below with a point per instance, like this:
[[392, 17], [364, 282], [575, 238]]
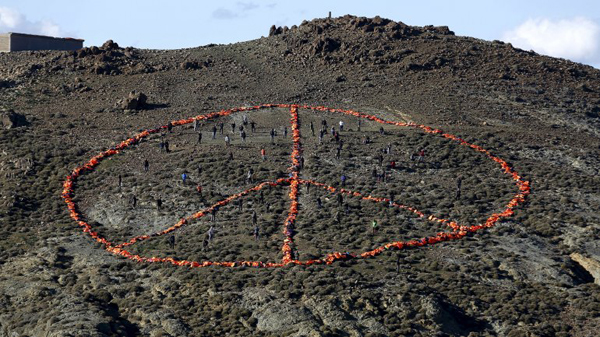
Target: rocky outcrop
[[194, 65], [10, 119], [134, 101], [589, 264], [346, 39]]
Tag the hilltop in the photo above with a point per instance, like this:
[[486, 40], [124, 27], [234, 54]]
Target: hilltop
[[535, 273]]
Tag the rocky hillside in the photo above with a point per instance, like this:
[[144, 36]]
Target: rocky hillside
[[535, 273]]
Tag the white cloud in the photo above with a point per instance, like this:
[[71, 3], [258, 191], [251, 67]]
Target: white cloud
[[247, 6], [577, 39], [13, 21], [224, 14], [241, 10]]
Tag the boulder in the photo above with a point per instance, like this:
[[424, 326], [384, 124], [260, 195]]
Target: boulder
[[274, 30], [190, 65], [109, 45], [325, 45], [134, 101], [10, 119], [591, 265]]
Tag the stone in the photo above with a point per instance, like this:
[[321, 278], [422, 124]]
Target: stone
[[325, 45], [10, 119], [589, 264], [275, 30], [135, 101], [187, 65], [109, 45]]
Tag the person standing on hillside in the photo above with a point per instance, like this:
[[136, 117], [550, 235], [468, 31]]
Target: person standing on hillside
[[254, 218], [221, 126], [213, 213], [458, 187], [233, 127], [227, 140], [200, 137], [211, 233], [374, 225], [263, 154], [158, 203], [312, 128], [243, 135], [146, 165], [249, 176], [253, 126], [285, 132], [256, 232], [272, 134], [133, 201], [341, 126], [184, 177], [214, 132]]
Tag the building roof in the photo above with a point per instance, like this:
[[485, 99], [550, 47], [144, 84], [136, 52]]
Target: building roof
[[43, 36]]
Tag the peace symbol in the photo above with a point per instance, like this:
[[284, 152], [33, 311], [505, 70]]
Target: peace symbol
[[293, 183]]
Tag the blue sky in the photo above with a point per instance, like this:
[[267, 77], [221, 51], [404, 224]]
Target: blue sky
[[569, 29]]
